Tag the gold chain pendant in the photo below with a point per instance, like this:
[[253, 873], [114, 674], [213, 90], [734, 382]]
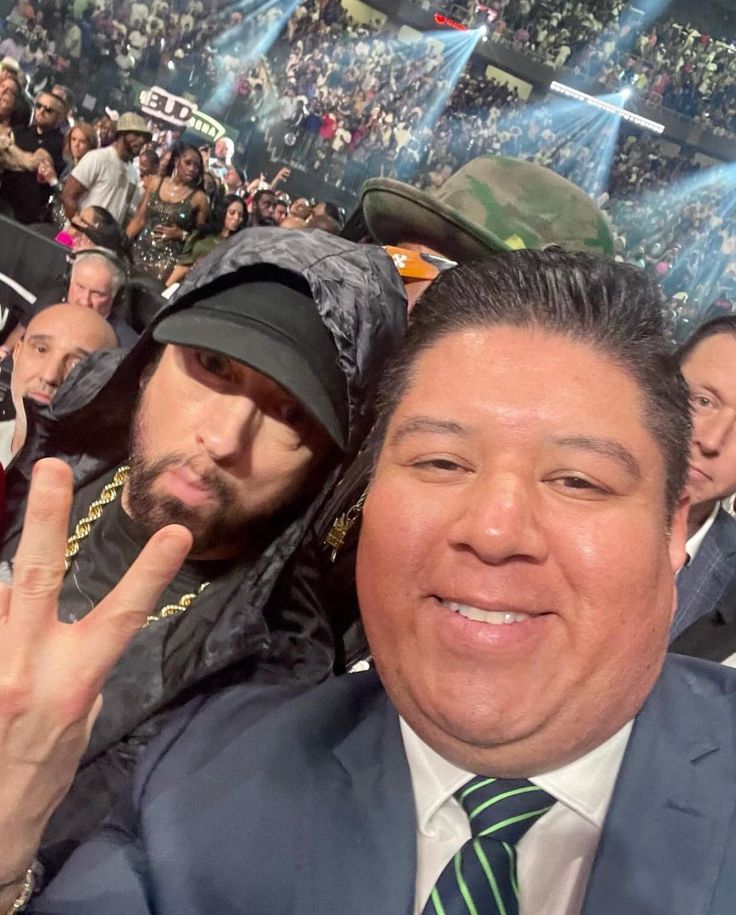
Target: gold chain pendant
[[84, 526], [342, 525]]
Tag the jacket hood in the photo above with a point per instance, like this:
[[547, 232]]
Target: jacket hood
[[359, 296], [250, 623]]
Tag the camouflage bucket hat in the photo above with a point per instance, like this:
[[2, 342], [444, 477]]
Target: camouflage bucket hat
[[493, 203]]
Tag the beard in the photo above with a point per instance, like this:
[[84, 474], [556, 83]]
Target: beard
[[218, 526], [238, 517], [219, 529], [264, 221]]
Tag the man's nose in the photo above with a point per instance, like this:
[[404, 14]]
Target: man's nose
[[227, 428], [712, 432], [53, 372], [499, 520]]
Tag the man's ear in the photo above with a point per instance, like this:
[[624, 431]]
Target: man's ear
[[678, 533]]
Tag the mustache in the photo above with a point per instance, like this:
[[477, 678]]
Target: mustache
[[143, 473]]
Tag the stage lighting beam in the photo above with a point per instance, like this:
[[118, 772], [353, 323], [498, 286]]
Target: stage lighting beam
[[569, 92]]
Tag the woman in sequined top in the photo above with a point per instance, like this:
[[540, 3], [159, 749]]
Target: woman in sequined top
[[171, 208]]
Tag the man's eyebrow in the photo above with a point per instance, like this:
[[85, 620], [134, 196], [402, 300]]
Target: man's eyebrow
[[418, 424], [607, 447], [706, 387], [40, 338]]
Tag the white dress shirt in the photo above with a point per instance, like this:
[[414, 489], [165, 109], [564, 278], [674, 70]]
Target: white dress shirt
[[554, 857], [693, 543], [7, 431]]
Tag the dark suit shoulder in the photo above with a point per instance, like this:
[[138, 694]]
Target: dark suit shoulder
[[264, 722], [705, 679], [693, 703]]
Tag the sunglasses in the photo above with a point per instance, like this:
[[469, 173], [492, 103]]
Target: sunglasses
[[413, 265], [41, 107]]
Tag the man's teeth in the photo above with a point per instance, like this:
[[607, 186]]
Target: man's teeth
[[494, 617]]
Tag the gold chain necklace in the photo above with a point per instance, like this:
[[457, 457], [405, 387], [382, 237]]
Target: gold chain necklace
[[82, 531]]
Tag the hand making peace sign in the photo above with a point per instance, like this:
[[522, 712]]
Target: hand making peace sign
[[51, 673]]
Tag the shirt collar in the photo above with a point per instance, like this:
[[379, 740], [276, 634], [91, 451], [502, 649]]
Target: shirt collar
[[584, 786], [694, 543]]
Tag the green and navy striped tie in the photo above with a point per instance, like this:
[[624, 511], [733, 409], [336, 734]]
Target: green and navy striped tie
[[481, 878]]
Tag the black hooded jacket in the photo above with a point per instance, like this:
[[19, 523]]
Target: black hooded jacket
[[258, 621]]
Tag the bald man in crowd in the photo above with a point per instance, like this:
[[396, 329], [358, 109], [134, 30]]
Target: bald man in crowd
[[57, 339]]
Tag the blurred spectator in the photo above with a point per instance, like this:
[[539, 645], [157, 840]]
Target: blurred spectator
[[325, 223], [27, 194], [293, 222], [77, 143], [171, 209], [227, 218], [148, 163], [301, 208], [261, 209], [222, 157], [57, 339], [326, 208], [94, 227], [106, 129], [234, 179], [280, 211], [106, 177]]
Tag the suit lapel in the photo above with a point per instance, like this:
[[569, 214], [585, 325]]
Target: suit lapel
[[702, 584], [665, 834], [363, 857]]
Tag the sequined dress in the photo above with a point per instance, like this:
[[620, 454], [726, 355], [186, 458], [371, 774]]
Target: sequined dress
[[156, 257]]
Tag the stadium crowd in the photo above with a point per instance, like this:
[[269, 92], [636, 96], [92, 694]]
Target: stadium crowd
[[668, 63], [348, 102]]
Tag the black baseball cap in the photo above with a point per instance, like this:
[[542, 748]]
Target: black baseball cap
[[270, 322]]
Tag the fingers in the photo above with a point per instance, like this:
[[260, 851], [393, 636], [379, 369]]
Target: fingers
[[38, 569], [111, 625]]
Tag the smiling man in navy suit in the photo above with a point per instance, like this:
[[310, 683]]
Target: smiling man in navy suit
[[523, 746]]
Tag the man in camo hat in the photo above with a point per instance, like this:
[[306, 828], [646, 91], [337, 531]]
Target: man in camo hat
[[492, 203]]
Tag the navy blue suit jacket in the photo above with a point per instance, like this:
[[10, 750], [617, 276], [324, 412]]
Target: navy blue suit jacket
[[705, 621], [304, 807]]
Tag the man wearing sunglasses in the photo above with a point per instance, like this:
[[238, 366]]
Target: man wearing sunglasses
[[491, 204], [27, 193]]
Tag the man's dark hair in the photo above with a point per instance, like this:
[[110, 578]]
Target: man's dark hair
[[613, 307], [326, 223], [332, 210], [64, 95], [725, 324], [255, 217], [264, 192]]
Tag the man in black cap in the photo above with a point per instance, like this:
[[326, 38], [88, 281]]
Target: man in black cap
[[231, 416]]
